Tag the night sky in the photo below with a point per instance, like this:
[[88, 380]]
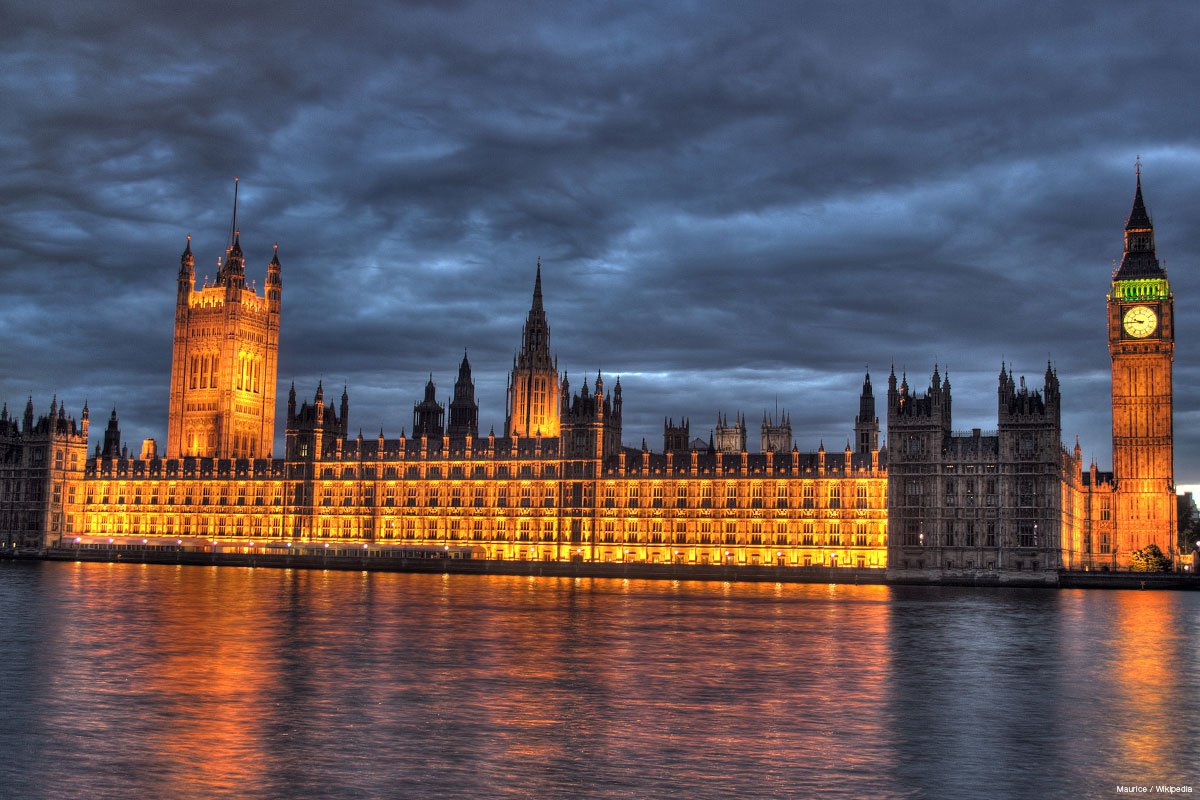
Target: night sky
[[735, 206]]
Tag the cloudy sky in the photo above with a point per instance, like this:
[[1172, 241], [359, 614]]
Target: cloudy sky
[[735, 205]]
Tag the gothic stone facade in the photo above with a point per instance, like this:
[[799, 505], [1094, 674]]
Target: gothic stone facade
[[1141, 342], [560, 484], [225, 359], [511, 498], [962, 506], [994, 506], [578, 495], [41, 474]]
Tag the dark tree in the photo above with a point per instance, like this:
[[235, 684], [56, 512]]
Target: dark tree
[[1189, 522], [1149, 559]]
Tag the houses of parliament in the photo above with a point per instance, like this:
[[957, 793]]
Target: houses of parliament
[[560, 484]]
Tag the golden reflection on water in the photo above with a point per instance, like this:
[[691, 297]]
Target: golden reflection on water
[[214, 673], [1145, 666], [188, 682]]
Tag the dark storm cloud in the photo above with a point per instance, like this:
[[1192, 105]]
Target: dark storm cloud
[[735, 206]]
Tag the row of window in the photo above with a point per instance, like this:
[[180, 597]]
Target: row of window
[[704, 494], [418, 529]]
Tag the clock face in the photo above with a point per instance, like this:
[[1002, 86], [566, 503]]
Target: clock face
[[1140, 321]]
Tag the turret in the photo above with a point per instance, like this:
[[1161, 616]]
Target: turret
[[589, 427], [866, 424], [464, 410], [429, 414], [345, 415], [1019, 404], [731, 438], [1050, 384], [319, 414], [923, 422], [676, 438], [187, 271], [112, 437], [274, 286], [776, 434]]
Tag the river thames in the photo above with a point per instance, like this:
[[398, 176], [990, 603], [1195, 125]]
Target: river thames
[[146, 681]]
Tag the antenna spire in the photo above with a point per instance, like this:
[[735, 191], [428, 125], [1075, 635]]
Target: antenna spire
[[233, 226]]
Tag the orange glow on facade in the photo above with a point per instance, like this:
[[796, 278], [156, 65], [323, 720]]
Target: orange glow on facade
[[512, 502], [561, 486], [224, 361], [533, 390], [1141, 342]]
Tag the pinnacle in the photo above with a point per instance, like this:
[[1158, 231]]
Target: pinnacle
[[1138, 218], [537, 285]]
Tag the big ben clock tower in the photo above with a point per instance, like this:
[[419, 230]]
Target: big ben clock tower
[[1141, 341]]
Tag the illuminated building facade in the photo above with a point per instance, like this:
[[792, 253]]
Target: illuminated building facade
[[580, 495], [560, 485], [1141, 341], [224, 360], [533, 383]]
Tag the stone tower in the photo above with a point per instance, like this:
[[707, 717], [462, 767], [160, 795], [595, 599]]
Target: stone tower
[[918, 430], [112, 438], [225, 357], [676, 438], [428, 414], [776, 434], [866, 424], [591, 421], [1033, 467], [731, 438], [533, 395], [41, 463], [315, 431], [1141, 341], [464, 410]]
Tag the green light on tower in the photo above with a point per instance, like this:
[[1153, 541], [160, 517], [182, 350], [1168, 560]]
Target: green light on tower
[[1141, 289]]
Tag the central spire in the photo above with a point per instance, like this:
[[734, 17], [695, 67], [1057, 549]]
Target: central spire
[[533, 385], [535, 339], [1139, 260], [537, 281]]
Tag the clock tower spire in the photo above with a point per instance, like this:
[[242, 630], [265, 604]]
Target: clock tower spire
[[1141, 342]]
